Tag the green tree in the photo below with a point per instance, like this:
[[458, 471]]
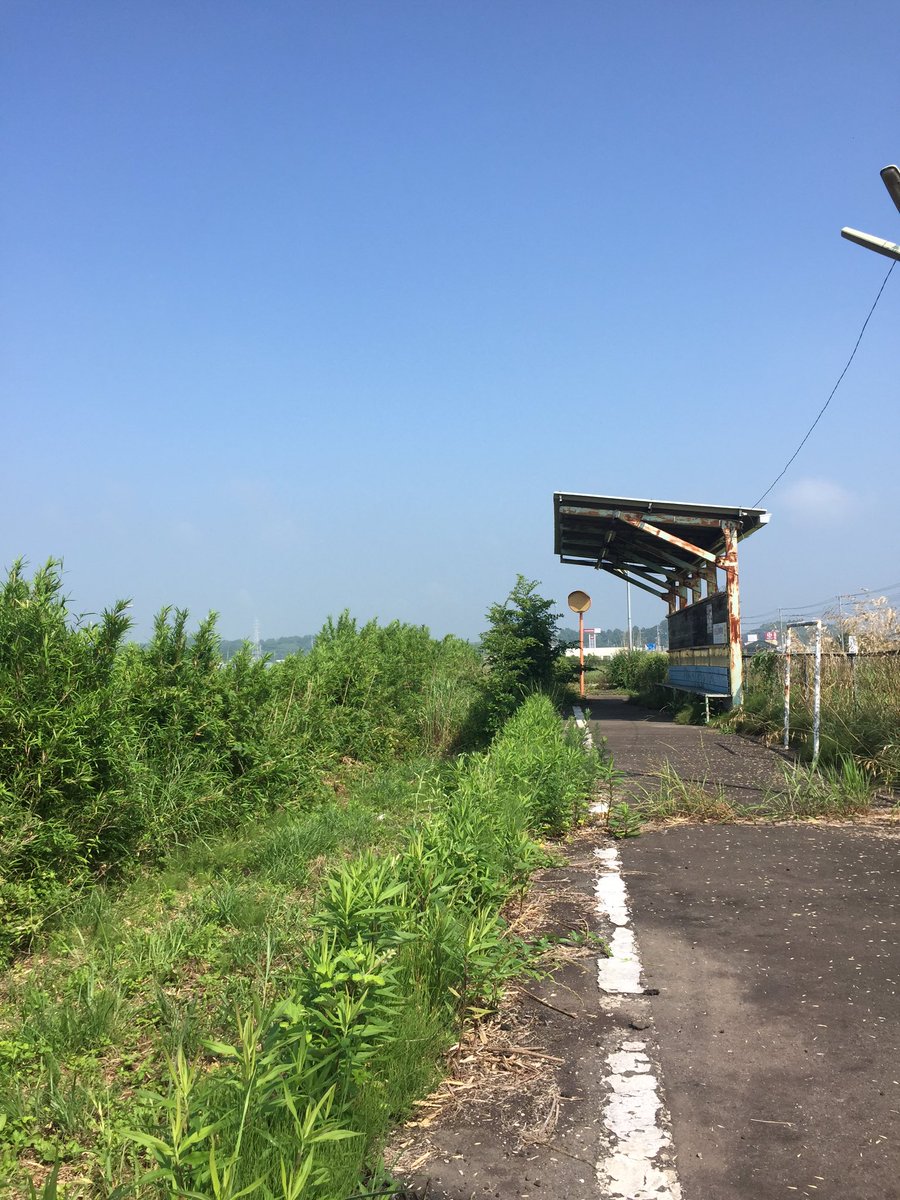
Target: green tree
[[519, 649]]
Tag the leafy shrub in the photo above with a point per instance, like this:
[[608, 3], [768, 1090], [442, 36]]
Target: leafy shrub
[[641, 673], [65, 760], [519, 649], [111, 752]]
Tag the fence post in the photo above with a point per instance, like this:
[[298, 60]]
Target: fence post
[[787, 690], [817, 693]]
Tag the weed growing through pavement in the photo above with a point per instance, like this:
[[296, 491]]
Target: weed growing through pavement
[[840, 791], [675, 798], [623, 821]]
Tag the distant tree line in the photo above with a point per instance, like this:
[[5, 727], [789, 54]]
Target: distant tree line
[[275, 648]]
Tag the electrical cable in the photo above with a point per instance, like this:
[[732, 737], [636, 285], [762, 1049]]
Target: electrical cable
[[833, 390], [756, 620]]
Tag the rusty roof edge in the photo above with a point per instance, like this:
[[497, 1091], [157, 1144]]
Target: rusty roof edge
[[648, 505]]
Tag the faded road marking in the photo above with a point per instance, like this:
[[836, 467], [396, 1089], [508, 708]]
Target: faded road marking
[[636, 1159]]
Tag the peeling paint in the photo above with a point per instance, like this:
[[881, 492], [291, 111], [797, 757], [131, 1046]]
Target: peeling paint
[[636, 1157], [631, 1116]]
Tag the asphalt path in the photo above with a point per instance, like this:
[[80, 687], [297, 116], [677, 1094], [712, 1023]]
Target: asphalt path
[[642, 741], [775, 952]]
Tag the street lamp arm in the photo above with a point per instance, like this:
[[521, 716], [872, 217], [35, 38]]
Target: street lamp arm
[[879, 245]]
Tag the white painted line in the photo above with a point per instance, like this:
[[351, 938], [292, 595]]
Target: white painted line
[[601, 807], [630, 1169], [586, 735], [621, 972], [636, 1160], [612, 898]]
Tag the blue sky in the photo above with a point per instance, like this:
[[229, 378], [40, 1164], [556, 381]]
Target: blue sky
[[314, 305]]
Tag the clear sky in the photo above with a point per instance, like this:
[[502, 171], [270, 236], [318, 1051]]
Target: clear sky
[[314, 305]]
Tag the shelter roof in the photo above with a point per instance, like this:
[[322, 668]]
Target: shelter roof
[[658, 540]]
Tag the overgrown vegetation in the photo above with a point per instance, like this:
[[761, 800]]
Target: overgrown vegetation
[[675, 798], [269, 1039], [114, 753], [261, 900], [860, 708], [641, 673]]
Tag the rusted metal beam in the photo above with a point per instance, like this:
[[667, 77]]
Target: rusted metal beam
[[732, 591], [645, 527], [659, 551], [668, 518], [649, 574], [620, 574], [606, 541]]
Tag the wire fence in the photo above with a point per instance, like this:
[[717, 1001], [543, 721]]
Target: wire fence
[[853, 709]]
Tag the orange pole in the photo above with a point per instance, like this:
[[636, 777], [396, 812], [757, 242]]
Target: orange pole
[[581, 649]]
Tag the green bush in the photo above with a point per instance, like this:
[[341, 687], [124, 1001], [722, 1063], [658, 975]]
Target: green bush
[[65, 749], [641, 673], [111, 753], [622, 668], [520, 650]]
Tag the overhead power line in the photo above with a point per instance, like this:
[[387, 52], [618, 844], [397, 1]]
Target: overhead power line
[[833, 390], [891, 592]]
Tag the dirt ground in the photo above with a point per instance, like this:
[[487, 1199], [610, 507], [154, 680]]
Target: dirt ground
[[771, 1010]]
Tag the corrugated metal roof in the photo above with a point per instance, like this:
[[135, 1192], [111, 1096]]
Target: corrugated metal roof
[[605, 532]]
